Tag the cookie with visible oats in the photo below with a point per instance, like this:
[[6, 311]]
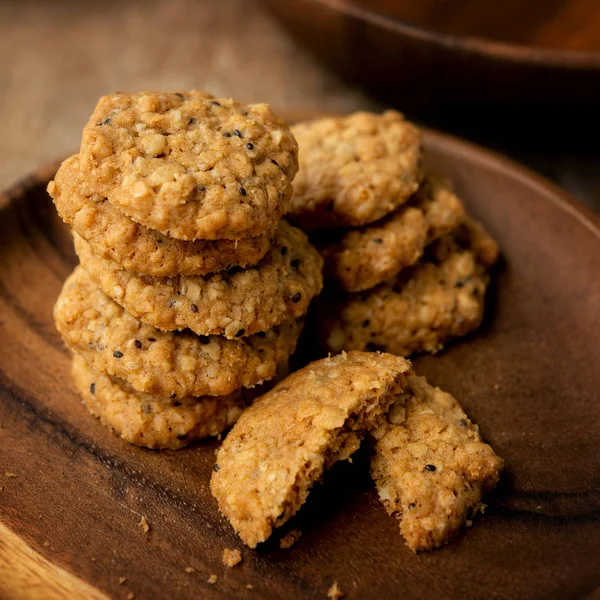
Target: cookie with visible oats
[[282, 444], [155, 421], [189, 165], [430, 465], [365, 257], [114, 236], [232, 303], [440, 298], [170, 364], [355, 169]]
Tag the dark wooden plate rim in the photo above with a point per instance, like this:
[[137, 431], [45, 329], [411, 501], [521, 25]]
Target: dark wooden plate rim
[[500, 51]]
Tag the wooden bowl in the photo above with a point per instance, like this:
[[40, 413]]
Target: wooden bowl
[[69, 517], [406, 54]]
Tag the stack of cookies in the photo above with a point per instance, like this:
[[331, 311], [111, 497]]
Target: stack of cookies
[[408, 269], [191, 289]]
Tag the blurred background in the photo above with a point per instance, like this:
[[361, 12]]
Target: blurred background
[[521, 78]]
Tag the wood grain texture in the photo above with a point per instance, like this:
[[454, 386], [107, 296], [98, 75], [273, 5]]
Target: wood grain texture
[[529, 378]]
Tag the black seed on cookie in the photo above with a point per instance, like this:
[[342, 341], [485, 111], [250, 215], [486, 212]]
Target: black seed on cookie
[[430, 468], [192, 121], [296, 297], [171, 303], [238, 133], [179, 95], [215, 103], [204, 339], [181, 436], [274, 162], [378, 241], [118, 354], [215, 467], [173, 395], [250, 146], [242, 191], [227, 134], [106, 121], [240, 333], [366, 322], [193, 308], [92, 388], [463, 423], [151, 339], [159, 241], [295, 263], [411, 506], [137, 344]]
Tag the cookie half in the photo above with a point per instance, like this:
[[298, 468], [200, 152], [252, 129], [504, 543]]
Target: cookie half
[[189, 165], [365, 257], [282, 444], [430, 465], [170, 364], [154, 421], [440, 298], [356, 169], [233, 303], [113, 235]]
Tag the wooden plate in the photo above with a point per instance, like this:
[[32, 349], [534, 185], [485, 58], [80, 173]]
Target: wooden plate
[[530, 378], [424, 58]]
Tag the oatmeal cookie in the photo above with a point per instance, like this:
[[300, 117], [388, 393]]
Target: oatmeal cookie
[[232, 303], [367, 256], [356, 169], [440, 298], [171, 364], [283, 443], [430, 465], [154, 421], [189, 165], [114, 236]]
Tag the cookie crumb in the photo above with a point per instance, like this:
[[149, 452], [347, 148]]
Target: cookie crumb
[[189, 569], [122, 580], [46, 544], [231, 557], [212, 579], [144, 524], [249, 586], [335, 591], [289, 539], [130, 596], [9, 474]]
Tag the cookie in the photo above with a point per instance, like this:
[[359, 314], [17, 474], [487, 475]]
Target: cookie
[[114, 236], [171, 364], [232, 303], [285, 441], [356, 169], [430, 465], [189, 165], [154, 421], [440, 298], [367, 256]]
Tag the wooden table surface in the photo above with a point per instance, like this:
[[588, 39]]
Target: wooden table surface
[[58, 56]]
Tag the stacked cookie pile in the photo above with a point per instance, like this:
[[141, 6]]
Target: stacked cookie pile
[[191, 289], [408, 268]]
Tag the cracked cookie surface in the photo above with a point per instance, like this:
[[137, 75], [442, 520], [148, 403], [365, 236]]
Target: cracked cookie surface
[[430, 466], [367, 256], [164, 363], [355, 169], [189, 165], [233, 303], [282, 444], [114, 236]]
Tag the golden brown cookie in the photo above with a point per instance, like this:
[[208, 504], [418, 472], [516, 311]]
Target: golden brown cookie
[[367, 256], [189, 165], [171, 364], [356, 169], [114, 236], [430, 465], [233, 303], [154, 421], [440, 298], [282, 444]]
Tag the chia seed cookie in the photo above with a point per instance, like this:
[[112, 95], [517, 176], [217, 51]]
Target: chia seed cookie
[[189, 165], [114, 236], [153, 421], [356, 169], [170, 364], [285, 441], [232, 303], [430, 465], [440, 298], [367, 256]]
